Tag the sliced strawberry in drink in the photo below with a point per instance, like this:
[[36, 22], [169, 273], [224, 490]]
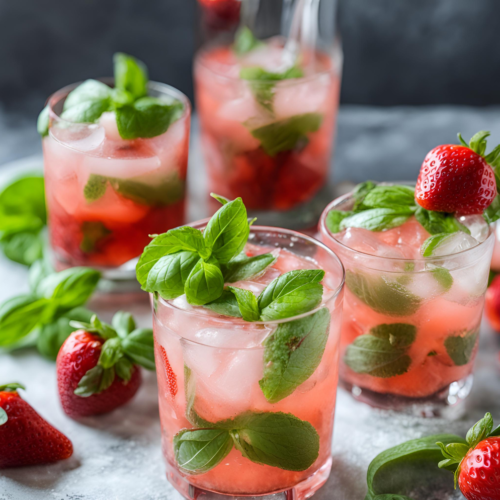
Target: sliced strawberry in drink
[[169, 373]]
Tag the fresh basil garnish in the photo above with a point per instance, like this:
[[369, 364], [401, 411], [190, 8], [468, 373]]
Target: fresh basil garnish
[[292, 354], [443, 277], [383, 296], [241, 267], [87, 102], [396, 197], [377, 219], [245, 41], [461, 347], [383, 352], [131, 75], [334, 218], [247, 303], [439, 222], [226, 304], [204, 283], [287, 134]]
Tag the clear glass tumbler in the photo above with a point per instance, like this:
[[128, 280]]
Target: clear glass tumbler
[[144, 179], [267, 97], [435, 302], [209, 367]]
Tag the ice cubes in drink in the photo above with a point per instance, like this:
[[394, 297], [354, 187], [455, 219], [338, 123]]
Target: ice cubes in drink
[[477, 226], [455, 243], [368, 242]]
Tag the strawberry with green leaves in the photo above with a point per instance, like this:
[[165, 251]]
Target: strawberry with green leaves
[[98, 367], [25, 437]]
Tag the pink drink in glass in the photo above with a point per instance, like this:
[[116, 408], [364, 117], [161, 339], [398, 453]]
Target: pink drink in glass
[[212, 364], [441, 297], [146, 193], [283, 174]]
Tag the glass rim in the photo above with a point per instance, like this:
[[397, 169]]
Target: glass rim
[[56, 97], [334, 70], [324, 229], [240, 321]]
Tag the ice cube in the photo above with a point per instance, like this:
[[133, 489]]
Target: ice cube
[[454, 243], [424, 285], [90, 141], [369, 242], [236, 337], [408, 238], [477, 226], [109, 127]]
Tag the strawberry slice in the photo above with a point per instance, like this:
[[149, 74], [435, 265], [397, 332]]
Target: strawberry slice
[[169, 373], [25, 437], [458, 178]]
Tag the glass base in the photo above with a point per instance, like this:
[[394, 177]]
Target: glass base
[[301, 491], [444, 403]]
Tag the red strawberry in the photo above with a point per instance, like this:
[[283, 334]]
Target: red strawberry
[[97, 366], [492, 304], [479, 477], [25, 437], [169, 373], [458, 178]]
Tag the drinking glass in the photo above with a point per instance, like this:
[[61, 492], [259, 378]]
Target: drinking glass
[[144, 184], [435, 302], [266, 139], [209, 367]]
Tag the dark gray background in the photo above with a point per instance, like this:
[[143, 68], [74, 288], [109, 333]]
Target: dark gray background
[[396, 51]]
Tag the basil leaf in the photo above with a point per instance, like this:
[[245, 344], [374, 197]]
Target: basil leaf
[[360, 191], [22, 205], [19, 316], [492, 213], [227, 231], [245, 41], [86, 112], [385, 297], [124, 323], [87, 92], [43, 122], [169, 275], [277, 439], [262, 83], [124, 368], [199, 450], [175, 240], [39, 270], [130, 75], [23, 247], [443, 277], [292, 354], [242, 267], [382, 352], [139, 346], [95, 381], [52, 336], [461, 347], [334, 218], [285, 135], [205, 283], [221, 199], [247, 303], [226, 305], [111, 352], [291, 294], [147, 117], [479, 431], [3, 416], [390, 197], [377, 219], [95, 188], [401, 468], [70, 288], [439, 222], [428, 246]]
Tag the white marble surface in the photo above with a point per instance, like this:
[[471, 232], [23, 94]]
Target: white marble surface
[[118, 456]]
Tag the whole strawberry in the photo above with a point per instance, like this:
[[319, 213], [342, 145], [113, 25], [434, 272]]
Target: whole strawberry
[[98, 365], [478, 461], [25, 437], [458, 178], [492, 304]]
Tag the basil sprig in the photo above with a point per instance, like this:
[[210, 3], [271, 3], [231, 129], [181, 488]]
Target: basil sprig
[[394, 473], [186, 261], [23, 217], [245, 41], [43, 316], [276, 439], [137, 115], [125, 346]]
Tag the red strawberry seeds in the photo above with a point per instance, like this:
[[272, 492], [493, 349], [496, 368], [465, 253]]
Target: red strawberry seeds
[[26, 438]]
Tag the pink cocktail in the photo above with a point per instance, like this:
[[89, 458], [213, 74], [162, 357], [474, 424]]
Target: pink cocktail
[[212, 369], [265, 137], [411, 323]]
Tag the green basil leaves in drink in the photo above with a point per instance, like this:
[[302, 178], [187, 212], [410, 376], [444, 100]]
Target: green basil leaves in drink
[[275, 439], [292, 354], [291, 294], [439, 222], [205, 283], [443, 277], [94, 233], [360, 191], [147, 117], [334, 219], [382, 295], [241, 267], [461, 347], [383, 352], [377, 219], [87, 102], [245, 41], [287, 134], [247, 303], [131, 75], [396, 197], [226, 304], [43, 122]]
